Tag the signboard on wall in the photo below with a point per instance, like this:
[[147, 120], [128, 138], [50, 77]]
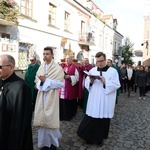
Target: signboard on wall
[[8, 48]]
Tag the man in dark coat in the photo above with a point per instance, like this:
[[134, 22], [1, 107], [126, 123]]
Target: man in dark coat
[[130, 74], [15, 108]]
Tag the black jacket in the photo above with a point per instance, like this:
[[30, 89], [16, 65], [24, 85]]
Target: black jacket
[[141, 78], [15, 114]]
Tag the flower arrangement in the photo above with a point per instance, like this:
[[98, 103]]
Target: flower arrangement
[[9, 10]]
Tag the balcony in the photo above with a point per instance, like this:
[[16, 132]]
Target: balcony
[[7, 23], [117, 53], [87, 39]]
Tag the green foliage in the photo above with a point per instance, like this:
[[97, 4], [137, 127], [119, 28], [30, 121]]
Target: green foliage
[[127, 51], [9, 10]]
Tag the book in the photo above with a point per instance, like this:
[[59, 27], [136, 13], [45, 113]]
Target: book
[[65, 73], [91, 75]]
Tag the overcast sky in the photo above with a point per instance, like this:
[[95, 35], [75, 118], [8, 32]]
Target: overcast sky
[[130, 17]]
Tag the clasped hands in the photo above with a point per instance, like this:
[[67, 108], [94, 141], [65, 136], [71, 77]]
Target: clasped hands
[[67, 77], [42, 78]]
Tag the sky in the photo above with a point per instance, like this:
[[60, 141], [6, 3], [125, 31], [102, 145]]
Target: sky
[[130, 18]]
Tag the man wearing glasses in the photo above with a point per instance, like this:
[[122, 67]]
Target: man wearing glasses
[[30, 77], [94, 128], [15, 108]]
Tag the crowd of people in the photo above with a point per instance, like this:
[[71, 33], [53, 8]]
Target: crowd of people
[[136, 79], [52, 92]]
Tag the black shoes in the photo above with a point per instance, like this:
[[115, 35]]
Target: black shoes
[[100, 144], [89, 142], [53, 147], [47, 148]]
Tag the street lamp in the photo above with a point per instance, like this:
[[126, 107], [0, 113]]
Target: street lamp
[[122, 58], [146, 42], [116, 61]]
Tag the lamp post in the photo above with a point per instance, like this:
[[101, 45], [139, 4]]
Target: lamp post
[[122, 58], [116, 61], [146, 42]]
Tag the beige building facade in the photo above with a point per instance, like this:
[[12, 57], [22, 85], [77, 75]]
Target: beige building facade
[[146, 43]]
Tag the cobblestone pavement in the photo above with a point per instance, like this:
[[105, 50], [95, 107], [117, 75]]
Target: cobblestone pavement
[[129, 129]]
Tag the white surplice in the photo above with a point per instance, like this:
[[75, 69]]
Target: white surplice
[[101, 101]]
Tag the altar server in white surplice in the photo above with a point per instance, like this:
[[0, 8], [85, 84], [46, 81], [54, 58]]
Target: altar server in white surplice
[[102, 84]]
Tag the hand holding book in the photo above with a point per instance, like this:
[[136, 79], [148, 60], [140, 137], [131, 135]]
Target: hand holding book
[[92, 75]]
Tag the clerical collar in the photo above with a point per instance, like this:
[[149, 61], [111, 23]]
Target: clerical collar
[[10, 78], [104, 68], [32, 65]]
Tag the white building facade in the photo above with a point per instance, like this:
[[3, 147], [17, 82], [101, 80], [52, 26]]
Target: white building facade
[[74, 26]]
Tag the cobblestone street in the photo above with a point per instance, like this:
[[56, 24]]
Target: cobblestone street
[[129, 129]]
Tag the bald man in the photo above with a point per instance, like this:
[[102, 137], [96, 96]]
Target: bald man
[[15, 108], [69, 93]]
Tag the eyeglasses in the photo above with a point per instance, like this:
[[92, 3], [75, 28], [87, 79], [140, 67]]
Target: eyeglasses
[[4, 66], [31, 60], [100, 61]]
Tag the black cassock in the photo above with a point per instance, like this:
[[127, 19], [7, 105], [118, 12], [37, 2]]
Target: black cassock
[[15, 114]]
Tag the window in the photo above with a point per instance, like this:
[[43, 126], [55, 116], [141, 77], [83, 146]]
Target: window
[[93, 37], [82, 27], [26, 7], [5, 35], [67, 21], [118, 46], [115, 48], [52, 14], [82, 35], [100, 43], [147, 34], [105, 42]]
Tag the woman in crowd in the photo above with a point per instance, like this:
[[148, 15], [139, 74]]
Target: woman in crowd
[[141, 80]]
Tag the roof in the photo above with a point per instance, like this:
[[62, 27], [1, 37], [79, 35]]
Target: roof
[[107, 16], [115, 20], [146, 62]]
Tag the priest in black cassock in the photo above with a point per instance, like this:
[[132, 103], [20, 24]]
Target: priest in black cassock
[[15, 108], [102, 84]]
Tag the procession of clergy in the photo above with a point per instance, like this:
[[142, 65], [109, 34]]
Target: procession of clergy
[[62, 88], [57, 90]]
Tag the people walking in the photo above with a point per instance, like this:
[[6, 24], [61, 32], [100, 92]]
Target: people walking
[[147, 69], [94, 128], [141, 80], [123, 78], [130, 78], [30, 77], [86, 66], [15, 108], [137, 68], [69, 93], [49, 78]]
